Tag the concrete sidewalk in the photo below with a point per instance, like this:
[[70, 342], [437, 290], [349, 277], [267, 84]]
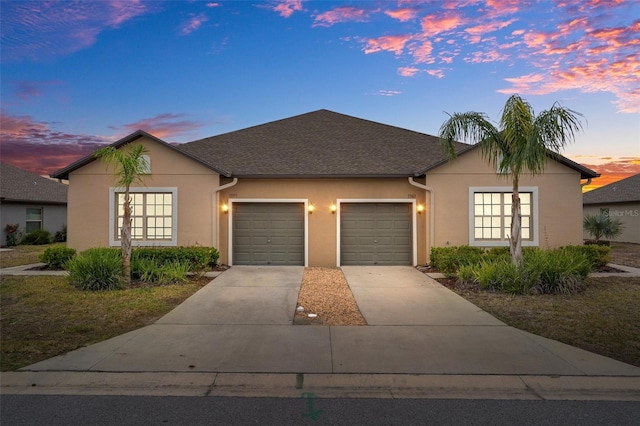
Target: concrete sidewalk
[[239, 329]]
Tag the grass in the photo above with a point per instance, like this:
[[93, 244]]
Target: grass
[[23, 255], [603, 319], [41, 317], [45, 316]]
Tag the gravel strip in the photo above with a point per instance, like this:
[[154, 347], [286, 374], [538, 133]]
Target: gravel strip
[[325, 292]]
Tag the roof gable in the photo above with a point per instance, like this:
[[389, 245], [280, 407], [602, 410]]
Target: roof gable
[[623, 191], [320, 144], [64, 173], [20, 185], [585, 173]]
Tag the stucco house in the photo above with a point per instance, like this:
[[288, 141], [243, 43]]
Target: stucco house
[[619, 200], [31, 201], [321, 189]]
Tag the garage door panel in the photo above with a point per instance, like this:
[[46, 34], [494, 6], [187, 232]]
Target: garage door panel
[[268, 234], [376, 234]]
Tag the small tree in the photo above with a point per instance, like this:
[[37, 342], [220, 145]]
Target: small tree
[[521, 144], [600, 225], [129, 166]]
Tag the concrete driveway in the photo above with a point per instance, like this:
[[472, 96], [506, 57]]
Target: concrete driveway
[[242, 322]]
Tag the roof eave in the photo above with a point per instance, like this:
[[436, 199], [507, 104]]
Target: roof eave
[[585, 173], [322, 176], [64, 173]]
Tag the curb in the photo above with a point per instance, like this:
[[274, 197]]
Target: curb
[[500, 387]]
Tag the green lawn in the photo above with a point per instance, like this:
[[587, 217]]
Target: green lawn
[[44, 316], [23, 255], [604, 318]]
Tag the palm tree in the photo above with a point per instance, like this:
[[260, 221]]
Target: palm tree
[[129, 166], [601, 225], [521, 144]]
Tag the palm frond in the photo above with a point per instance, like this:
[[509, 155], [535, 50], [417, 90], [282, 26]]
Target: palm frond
[[473, 127]]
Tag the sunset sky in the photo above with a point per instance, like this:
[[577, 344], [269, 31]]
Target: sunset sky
[[76, 75]]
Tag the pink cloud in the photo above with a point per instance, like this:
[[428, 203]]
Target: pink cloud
[[612, 171], [288, 7], [193, 23], [585, 54], [36, 31], [26, 90], [503, 7], [489, 27], [438, 23], [163, 126], [340, 14], [408, 71], [422, 52], [486, 56], [402, 15], [34, 146], [212, 4], [438, 73], [393, 44]]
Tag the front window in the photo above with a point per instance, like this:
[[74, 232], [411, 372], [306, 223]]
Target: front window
[[490, 221], [153, 216], [34, 219]]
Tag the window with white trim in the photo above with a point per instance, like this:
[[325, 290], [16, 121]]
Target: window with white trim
[[34, 219], [490, 216], [153, 216]]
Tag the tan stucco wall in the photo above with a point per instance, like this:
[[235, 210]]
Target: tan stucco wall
[[321, 193], [559, 191], [560, 202], [88, 215], [627, 213]]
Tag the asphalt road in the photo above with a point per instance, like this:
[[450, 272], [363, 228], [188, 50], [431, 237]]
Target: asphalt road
[[137, 410]]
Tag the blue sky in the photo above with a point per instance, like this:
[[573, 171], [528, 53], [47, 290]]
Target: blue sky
[[78, 75]]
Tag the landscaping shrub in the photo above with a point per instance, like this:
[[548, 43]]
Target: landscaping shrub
[[61, 235], [543, 271], [501, 275], [57, 256], [449, 259], [197, 258], [154, 271], [96, 269], [37, 237], [13, 234], [559, 271], [495, 253], [598, 255]]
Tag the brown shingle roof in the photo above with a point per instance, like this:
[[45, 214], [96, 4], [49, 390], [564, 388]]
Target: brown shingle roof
[[623, 191], [19, 185], [320, 143]]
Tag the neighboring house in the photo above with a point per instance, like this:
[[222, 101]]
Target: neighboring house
[[619, 200], [31, 201], [321, 189]]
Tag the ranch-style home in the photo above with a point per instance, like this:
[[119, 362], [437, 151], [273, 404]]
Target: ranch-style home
[[321, 189], [620, 201], [30, 201]]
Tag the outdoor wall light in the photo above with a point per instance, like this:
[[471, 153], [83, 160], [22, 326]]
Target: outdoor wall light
[[420, 208], [311, 208], [225, 208], [333, 208]]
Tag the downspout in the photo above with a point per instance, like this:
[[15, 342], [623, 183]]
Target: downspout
[[217, 209], [432, 217], [586, 183]]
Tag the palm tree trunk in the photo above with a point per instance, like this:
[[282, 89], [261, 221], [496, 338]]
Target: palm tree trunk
[[125, 240], [516, 216]]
